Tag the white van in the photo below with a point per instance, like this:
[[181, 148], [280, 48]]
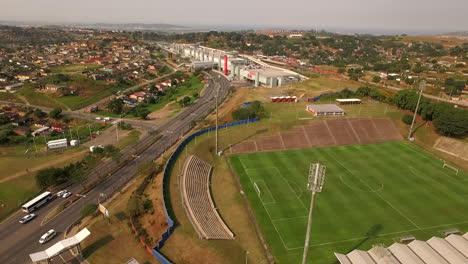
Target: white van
[[47, 236]]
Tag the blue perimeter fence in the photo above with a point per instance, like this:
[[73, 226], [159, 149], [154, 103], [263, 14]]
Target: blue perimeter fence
[[167, 171]]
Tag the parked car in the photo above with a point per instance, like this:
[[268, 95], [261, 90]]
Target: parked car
[[98, 118], [61, 193], [27, 218], [66, 195], [47, 236]]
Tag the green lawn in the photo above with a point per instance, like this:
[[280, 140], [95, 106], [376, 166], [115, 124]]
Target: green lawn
[[372, 194], [192, 85], [75, 68]]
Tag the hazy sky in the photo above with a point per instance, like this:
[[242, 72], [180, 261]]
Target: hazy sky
[[372, 14]]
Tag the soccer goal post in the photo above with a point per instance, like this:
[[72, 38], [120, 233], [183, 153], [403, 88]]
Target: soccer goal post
[[446, 165], [257, 189]]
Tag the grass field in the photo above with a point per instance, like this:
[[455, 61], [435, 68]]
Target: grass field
[[75, 68], [372, 194]]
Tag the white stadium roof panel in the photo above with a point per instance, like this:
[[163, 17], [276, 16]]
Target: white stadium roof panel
[[382, 255], [451, 250], [426, 253], [445, 249], [342, 258], [458, 242], [404, 254], [360, 257]]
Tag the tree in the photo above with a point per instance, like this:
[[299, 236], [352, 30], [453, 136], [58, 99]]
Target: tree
[[376, 79], [453, 122], [363, 91], [56, 113], [39, 114], [185, 101], [142, 112], [115, 106], [4, 119]]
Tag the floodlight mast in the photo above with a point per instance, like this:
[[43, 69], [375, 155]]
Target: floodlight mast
[[422, 85], [315, 184]]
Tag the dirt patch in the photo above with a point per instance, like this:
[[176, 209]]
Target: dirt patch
[[163, 113], [365, 130], [453, 147], [244, 147], [270, 143], [294, 139], [342, 132], [386, 129], [321, 133], [108, 137]]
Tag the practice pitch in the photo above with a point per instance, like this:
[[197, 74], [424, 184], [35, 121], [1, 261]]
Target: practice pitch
[[372, 194]]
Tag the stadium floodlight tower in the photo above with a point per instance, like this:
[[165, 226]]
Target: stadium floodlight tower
[[315, 184], [422, 85]]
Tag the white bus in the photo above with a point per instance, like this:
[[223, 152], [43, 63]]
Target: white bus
[[37, 202]]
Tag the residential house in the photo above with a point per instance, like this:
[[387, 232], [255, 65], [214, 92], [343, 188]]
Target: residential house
[[13, 87], [41, 123], [139, 96], [57, 127]]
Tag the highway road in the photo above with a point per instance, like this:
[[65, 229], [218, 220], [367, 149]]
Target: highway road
[[18, 241]]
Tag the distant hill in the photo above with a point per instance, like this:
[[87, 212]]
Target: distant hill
[[458, 33], [107, 26], [134, 26]]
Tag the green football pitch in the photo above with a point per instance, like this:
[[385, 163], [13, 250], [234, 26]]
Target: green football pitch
[[373, 194]]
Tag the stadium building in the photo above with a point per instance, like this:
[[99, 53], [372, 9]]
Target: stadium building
[[325, 110], [234, 65]]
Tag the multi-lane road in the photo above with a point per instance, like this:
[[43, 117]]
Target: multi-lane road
[[18, 241]]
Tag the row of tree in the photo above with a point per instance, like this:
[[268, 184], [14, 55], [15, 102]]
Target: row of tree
[[448, 120]]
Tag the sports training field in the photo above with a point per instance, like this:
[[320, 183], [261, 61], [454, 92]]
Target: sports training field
[[372, 194]]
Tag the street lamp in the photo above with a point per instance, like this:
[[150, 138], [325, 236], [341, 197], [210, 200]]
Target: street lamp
[[315, 184]]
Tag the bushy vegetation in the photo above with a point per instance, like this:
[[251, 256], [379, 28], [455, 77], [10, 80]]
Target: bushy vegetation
[[138, 205], [88, 210], [253, 110], [407, 119], [74, 172]]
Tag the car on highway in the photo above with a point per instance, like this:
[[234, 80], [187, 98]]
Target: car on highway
[[66, 195], [27, 218], [61, 193], [47, 236]]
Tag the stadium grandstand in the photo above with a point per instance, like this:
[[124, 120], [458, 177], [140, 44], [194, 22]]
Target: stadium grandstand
[[198, 203], [325, 110], [450, 250]]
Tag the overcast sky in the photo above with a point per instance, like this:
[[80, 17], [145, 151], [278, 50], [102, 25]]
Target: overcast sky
[[404, 15]]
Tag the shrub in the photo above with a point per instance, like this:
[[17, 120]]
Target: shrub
[[407, 119], [89, 209]]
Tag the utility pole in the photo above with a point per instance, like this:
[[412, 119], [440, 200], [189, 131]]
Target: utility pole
[[422, 84], [315, 184]]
